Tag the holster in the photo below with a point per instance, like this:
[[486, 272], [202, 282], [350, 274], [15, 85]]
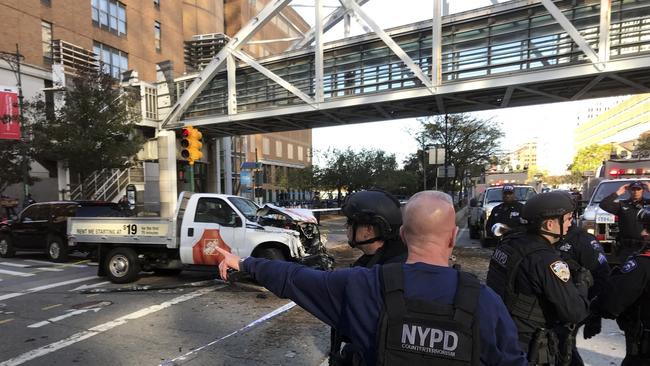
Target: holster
[[543, 347]]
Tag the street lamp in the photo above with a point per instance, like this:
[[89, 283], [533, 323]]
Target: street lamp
[[14, 59]]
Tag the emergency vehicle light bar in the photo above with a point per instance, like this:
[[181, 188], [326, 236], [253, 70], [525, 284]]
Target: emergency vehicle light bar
[[632, 171]]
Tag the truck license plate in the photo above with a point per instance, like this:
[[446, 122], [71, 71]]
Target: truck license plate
[[604, 219]]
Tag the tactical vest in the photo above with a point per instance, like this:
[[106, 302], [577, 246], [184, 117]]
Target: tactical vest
[[415, 332], [504, 268]]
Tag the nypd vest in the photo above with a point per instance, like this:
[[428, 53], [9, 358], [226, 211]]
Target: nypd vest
[[416, 332], [504, 269]]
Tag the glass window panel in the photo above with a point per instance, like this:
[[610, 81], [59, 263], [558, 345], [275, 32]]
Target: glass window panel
[[103, 5], [113, 9], [95, 15], [113, 23], [121, 27], [103, 19], [121, 12]]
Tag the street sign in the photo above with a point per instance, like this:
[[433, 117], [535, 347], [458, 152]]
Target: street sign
[[588, 173], [9, 123], [437, 156], [250, 165], [246, 178], [451, 172]]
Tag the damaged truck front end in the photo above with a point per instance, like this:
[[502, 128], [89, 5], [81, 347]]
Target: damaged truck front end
[[305, 224]]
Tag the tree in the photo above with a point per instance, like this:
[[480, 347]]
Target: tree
[[471, 142], [589, 158], [643, 144], [94, 129], [11, 164]]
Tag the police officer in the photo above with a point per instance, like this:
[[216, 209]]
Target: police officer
[[584, 255], [629, 233], [373, 221], [534, 282], [507, 213], [628, 300], [419, 313]]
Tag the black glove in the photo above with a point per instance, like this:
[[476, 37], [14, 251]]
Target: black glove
[[593, 326]]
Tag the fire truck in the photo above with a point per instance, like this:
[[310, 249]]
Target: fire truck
[[611, 176]]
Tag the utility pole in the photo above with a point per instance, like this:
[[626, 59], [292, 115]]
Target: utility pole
[[14, 62], [424, 164], [446, 153]]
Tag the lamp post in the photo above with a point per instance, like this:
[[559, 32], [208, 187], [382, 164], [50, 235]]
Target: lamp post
[[13, 59]]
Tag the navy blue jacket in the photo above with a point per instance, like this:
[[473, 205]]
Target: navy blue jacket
[[350, 300]]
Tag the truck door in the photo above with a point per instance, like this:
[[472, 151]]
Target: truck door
[[212, 225], [31, 229]]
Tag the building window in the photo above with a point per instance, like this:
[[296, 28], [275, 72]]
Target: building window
[[156, 35], [300, 153], [156, 3], [109, 14], [47, 3], [278, 149], [114, 62], [290, 151], [150, 103], [46, 36], [266, 146]]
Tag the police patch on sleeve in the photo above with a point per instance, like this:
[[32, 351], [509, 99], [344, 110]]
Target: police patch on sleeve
[[628, 266], [601, 258], [561, 270]]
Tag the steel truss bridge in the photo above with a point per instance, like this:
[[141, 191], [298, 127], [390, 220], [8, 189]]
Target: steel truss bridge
[[515, 53]]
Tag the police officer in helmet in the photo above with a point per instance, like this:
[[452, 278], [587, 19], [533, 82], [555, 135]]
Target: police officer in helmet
[[629, 233], [422, 312], [373, 221], [534, 282], [628, 300], [507, 213]]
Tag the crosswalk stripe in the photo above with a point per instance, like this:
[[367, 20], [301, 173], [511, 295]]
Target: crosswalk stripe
[[49, 269], [44, 287], [15, 265], [14, 273], [61, 264]]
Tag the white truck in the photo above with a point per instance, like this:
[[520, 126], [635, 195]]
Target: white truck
[[202, 222]]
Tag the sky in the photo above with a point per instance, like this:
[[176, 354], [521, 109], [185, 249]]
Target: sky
[[551, 124]]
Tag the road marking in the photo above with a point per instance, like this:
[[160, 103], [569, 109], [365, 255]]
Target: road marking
[[51, 307], [49, 269], [92, 295], [83, 287], [69, 314], [6, 320], [78, 337], [15, 265], [75, 264], [266, 317], [14, 273], [44, 287]]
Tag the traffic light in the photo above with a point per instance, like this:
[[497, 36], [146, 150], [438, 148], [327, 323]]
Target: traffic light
[[191, 144]]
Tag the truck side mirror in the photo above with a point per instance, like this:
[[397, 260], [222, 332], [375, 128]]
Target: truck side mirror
[[473, 202]]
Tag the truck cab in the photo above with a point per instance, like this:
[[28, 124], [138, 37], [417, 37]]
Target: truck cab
[[481, 208]]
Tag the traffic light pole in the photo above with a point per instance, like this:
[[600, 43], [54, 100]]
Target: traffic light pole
[[191, 177]]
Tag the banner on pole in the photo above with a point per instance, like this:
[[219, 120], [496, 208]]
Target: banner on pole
[[9, 112]]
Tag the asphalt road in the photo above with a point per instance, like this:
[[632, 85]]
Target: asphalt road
[[46, 319]]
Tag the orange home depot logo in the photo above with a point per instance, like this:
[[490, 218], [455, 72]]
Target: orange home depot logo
[[205, 250]]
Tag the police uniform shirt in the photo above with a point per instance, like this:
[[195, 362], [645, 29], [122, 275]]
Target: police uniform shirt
[[587, 252], [629, 282], [626, 210], [351, 301], [507, 214]]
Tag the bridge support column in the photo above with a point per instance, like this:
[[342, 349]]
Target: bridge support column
[[167, 165], [227, 164]]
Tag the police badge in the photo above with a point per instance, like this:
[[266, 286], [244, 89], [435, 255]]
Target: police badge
[[561, 270]]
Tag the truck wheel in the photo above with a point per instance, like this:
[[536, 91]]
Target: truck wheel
[[56, 250], [122, 265], [271, 253], [6, 248]]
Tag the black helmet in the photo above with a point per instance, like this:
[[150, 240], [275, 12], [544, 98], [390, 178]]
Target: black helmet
[[547, 205], [374, 207]]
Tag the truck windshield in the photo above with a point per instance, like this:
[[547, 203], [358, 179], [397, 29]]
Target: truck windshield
[[245, 206], [606, 188], [521, 194]]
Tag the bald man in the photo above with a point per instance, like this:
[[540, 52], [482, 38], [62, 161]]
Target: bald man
[[421, 312]]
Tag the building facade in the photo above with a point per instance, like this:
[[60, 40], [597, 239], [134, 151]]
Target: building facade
[[142, 44]]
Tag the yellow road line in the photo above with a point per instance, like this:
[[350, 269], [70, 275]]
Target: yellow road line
[[6, 320], [51, 307], [92, 295]]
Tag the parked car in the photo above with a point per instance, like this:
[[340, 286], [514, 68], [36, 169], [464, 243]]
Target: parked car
[[43, 227]]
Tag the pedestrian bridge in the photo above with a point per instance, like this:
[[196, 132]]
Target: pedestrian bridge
[[515, 53]]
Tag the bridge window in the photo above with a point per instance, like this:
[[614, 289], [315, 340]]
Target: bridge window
[[109, 14], [114, 62], [278, 149], [300, 153], [150, 102], [290, 151], [266, 146]]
